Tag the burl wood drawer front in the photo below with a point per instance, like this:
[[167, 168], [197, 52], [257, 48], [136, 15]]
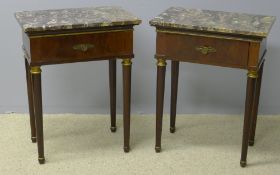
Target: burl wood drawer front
[[79, 47], [204, 50]]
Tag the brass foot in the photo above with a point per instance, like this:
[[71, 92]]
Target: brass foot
[[251, 142], [158, 149], [126, 149], [113, 129], [172, 129], [243, 163], [41, 160], [33, 139]]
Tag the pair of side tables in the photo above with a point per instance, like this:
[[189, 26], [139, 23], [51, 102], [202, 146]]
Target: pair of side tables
[[106, 33]]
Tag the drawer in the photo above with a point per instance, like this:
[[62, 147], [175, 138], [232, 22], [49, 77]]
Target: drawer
[[53, 49], [202, 49]]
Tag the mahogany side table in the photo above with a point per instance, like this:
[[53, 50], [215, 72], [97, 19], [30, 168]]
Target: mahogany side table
[[76, 35], [215, 38]]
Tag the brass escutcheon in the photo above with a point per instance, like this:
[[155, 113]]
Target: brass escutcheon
[[205, 49], [83, 47]]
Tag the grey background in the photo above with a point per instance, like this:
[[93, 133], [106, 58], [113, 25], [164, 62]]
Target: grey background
[[83, 87]]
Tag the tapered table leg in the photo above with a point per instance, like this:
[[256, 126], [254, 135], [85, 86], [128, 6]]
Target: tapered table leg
[[256, 106], [161, 68], [37, 97], [30, 101], [112, 80], [126, 64], [174, 90], [251, 84]]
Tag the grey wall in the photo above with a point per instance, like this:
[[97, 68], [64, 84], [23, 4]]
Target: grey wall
[[83, 87]]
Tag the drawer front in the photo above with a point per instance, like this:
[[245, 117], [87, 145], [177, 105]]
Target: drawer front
[[81, 47], [204, 50]]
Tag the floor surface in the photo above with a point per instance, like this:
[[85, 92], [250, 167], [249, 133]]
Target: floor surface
[[83, 144]]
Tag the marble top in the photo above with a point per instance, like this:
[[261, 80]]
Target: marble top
[[215, 21], [74, 18]]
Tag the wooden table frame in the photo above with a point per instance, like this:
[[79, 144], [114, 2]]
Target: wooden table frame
[[180, 46], [119, 40]]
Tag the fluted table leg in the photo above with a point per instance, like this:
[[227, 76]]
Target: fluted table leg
[[251, 85], [112, 82], [30, 101], [126, 64], [161, 68], [256, 106], [174, 91], [37, 97]]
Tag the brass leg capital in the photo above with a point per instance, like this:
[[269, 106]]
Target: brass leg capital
[[127, 62], [252, 74], [161, 62], [35, 70]]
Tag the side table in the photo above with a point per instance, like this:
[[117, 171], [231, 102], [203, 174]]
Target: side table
[[215, 38], [76, 35]]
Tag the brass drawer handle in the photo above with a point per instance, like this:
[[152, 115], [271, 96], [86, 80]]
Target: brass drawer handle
[[83, 47], [205, 49]]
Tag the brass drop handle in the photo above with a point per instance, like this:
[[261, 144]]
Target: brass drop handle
[[205, 49], [83, 47]]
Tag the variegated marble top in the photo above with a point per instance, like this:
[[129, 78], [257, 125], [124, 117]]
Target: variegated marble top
[[74, 18], [215, 21]]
